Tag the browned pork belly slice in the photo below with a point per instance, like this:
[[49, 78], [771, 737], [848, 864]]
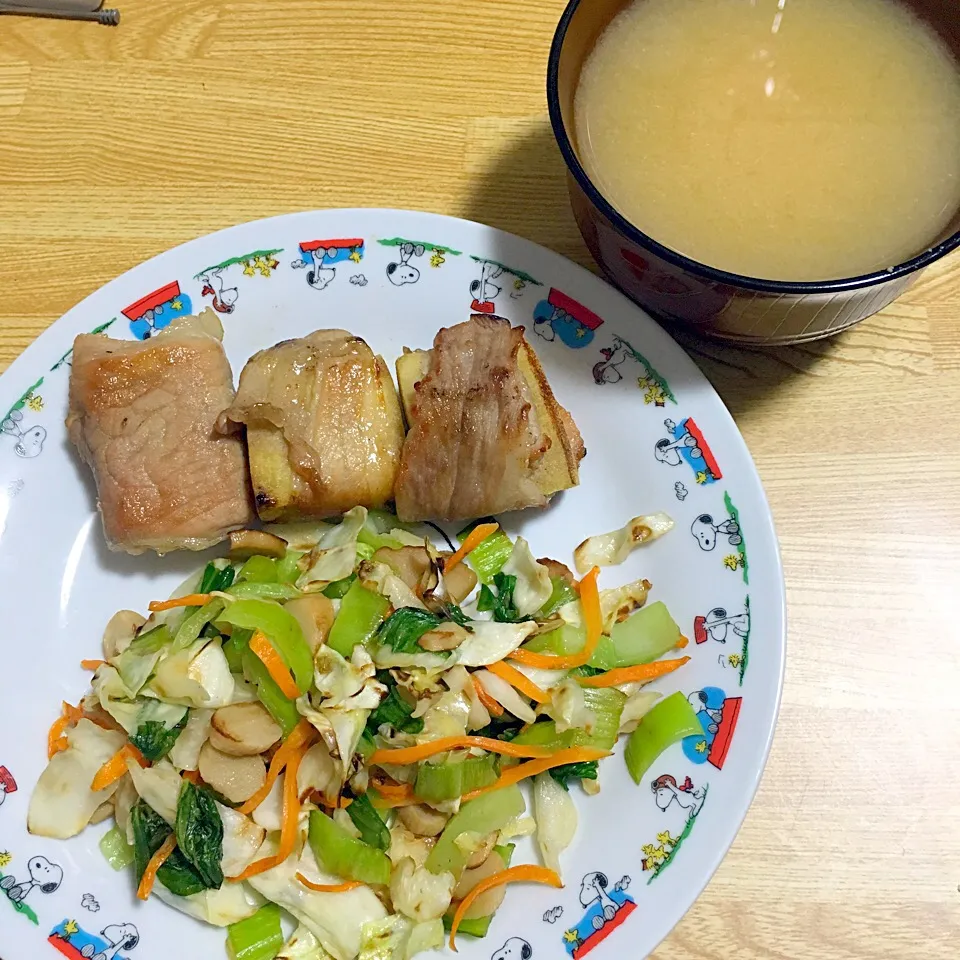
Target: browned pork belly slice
[[475, 438], [143, 415], [324, 428]]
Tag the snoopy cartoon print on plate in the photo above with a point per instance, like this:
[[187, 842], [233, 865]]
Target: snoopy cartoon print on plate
[[224, 298], [718, 715], [329, 276], [680, 803], [606, 909], [113, 942], [623, 360], [561, 317], [708, 532], [493, 278], [8, 784], [40, 875], [718, 626], [402, 271], [150, 314], [686, 444], [320, 257], [27, 437]]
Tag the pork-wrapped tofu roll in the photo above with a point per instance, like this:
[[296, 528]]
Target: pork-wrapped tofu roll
[[143, 416], [324, 428], [486, 433]]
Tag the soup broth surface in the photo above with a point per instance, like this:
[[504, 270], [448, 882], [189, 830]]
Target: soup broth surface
[[780, 139]]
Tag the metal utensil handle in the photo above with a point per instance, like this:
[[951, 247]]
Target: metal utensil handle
[[109, 18]]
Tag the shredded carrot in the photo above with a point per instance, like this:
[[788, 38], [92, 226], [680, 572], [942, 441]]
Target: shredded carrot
[[516, 679], [644, 671], [473, 540], [277, 669], [56, 741], [530, 769], [406, 755], [302, 733], [590, 600], [392, 789], [91, 664], [341, 803], [289, 821], [682, 642], [329, 887], [493, 708], [154, 864], [523, 872], [190, 600], [390, 803], [192, 775], [116, 767]]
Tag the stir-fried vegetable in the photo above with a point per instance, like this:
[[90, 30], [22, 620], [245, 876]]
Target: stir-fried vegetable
[[259, 937], [361, 613], [665, 723], [344, 855], [333, 722]]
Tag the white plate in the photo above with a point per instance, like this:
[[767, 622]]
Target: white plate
[[633, 393]]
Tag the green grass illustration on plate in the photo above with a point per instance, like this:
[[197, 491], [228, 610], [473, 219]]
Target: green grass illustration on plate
[[675, 845], [513, 271], [739, 559], [69, 353], [400, 241], [22, 908], [246, 259]]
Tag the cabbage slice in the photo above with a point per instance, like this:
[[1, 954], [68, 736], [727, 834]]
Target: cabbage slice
[[62, 802], [609, 549]]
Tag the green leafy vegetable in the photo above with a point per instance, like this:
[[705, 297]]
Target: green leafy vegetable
[[115, 849], [344, 855], [586, 671], [643, 637], [437, 782], [259, 569], [452, 612], [483, 815], [176, 873], [489, 556], [361, 613], [501, 603], [606, 703], [216, 578], [366, 745], [338, 589], [367, 820], [200, 833], [193, 623], [562, 594], [283, 631], [574, 771], [259, 937], [279, 706], [154, 739], [402, 630], [393, 709], [265, 591], [288, 568], [479, 926], [665, 723], [233, 648]]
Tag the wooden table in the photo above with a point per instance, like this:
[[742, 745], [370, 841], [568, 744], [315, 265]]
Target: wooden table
[[197, 114]]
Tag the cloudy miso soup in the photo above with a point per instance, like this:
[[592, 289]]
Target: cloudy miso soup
[[780, 139]]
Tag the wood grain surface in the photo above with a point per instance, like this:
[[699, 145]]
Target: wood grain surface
[[193, 115]]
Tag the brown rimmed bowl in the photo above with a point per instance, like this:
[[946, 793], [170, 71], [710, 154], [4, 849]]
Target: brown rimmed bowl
[[680, 290]]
